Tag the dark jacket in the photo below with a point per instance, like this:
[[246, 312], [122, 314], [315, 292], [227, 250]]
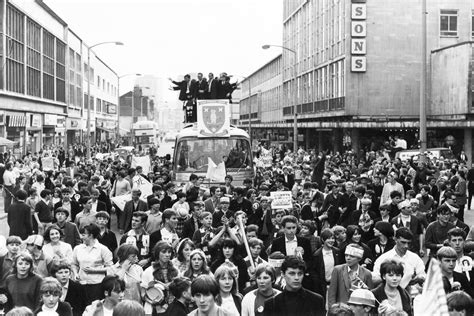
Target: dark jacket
[[76, 296], [318, 271], [75, 208], [19, 220], [279, 245], [71, 234], [379, 293], [311, 304], [176, 309], [128, 210], [44, 212]]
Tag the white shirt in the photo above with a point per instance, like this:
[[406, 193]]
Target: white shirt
[[290, 246], [328, 259], [412, 265], [9, 178]]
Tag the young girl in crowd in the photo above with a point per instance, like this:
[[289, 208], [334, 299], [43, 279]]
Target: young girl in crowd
[[183, 250]]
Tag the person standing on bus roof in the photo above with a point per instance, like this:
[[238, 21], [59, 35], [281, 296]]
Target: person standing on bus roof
[[212, 87], [201, 87]]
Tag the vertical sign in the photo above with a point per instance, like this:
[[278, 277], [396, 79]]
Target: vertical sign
[[358, 36]]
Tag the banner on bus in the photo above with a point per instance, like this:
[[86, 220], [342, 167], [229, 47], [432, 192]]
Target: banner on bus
[[281, 200], [213, 118]]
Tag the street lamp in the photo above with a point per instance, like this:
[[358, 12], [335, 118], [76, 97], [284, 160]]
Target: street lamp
[[118, 102], [295, 119], [89, 94]]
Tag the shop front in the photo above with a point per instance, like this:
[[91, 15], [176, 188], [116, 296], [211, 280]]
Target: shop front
[[16, 131], [34, 132], [74, 127], [106, 130]]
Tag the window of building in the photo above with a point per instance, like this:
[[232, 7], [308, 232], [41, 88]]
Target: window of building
[[98, 81], [99, 106], [15, 63], [48, 65], [472, 24], [33, 59], [449, 23], [60, 71]]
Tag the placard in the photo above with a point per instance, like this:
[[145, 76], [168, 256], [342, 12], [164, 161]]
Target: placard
[[281, 200], [47, 163], [143, 162]]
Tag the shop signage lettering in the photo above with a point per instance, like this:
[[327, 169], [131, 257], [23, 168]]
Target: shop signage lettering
[[358, 36]]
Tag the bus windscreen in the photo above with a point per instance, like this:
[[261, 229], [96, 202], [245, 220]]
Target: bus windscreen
[[194, 154]]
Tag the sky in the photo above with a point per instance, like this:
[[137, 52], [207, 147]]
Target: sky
[[169, 38]]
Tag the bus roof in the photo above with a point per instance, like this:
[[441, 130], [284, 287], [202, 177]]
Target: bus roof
[[191, 130]]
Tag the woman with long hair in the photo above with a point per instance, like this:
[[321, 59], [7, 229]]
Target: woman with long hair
[[157, 277], [128, 270], [197, 265], [229, 252], [23, 284], [55, 249], [183, 250], [228, 298], [254, 301]]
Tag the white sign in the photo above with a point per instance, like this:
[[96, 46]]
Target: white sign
[[358, 64], [50, 119], [138, 183], [359, 29], [358, 46], [213, 118], [215, 172], [47, 163], [358, 35], [281, 200], [143, 162], [359, 11]]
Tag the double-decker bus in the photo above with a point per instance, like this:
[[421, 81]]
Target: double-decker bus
[[193, 153], [145, 133]]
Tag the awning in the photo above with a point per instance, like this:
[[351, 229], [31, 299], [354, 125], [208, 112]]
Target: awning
[[105, 129], [16, 121]]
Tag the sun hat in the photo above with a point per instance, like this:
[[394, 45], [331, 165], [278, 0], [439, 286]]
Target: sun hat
[[362, 297]]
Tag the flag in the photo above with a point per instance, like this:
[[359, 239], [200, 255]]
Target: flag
[[432, 301], [215, 172]]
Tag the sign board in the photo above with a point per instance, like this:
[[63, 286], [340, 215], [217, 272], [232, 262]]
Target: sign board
[[358, 36], [213, 118], [143, 162], [281, 200], [47, 163], [138, 183], [50, 119]]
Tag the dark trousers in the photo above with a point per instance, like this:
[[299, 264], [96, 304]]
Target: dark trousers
[[93, 292], [8, 195], [460, 214]]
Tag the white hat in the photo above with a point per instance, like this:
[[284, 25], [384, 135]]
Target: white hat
[[403, 204], [362, 297]]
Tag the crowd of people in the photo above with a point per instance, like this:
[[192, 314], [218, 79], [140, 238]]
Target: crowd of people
[[357, 240]]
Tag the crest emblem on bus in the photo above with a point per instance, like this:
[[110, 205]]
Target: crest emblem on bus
[[213, 117]]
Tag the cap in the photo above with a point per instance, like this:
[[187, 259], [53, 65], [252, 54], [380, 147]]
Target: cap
[[35, 240], [403, 204], [362, 297], [415, 201], [353, 251], [224, 199]]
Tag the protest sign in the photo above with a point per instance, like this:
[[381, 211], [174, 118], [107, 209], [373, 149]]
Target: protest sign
[[143, 162], [281, 200], [47, 163]]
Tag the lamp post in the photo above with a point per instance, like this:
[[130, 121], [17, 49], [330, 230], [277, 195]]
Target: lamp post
[[295, 115], [423, 132], [118, 101], [89, 93]]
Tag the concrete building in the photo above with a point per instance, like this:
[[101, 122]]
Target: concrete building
[[358, 71], [43, 80]]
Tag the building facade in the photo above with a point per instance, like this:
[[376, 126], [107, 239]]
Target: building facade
[[43, 76], [358, 66]]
